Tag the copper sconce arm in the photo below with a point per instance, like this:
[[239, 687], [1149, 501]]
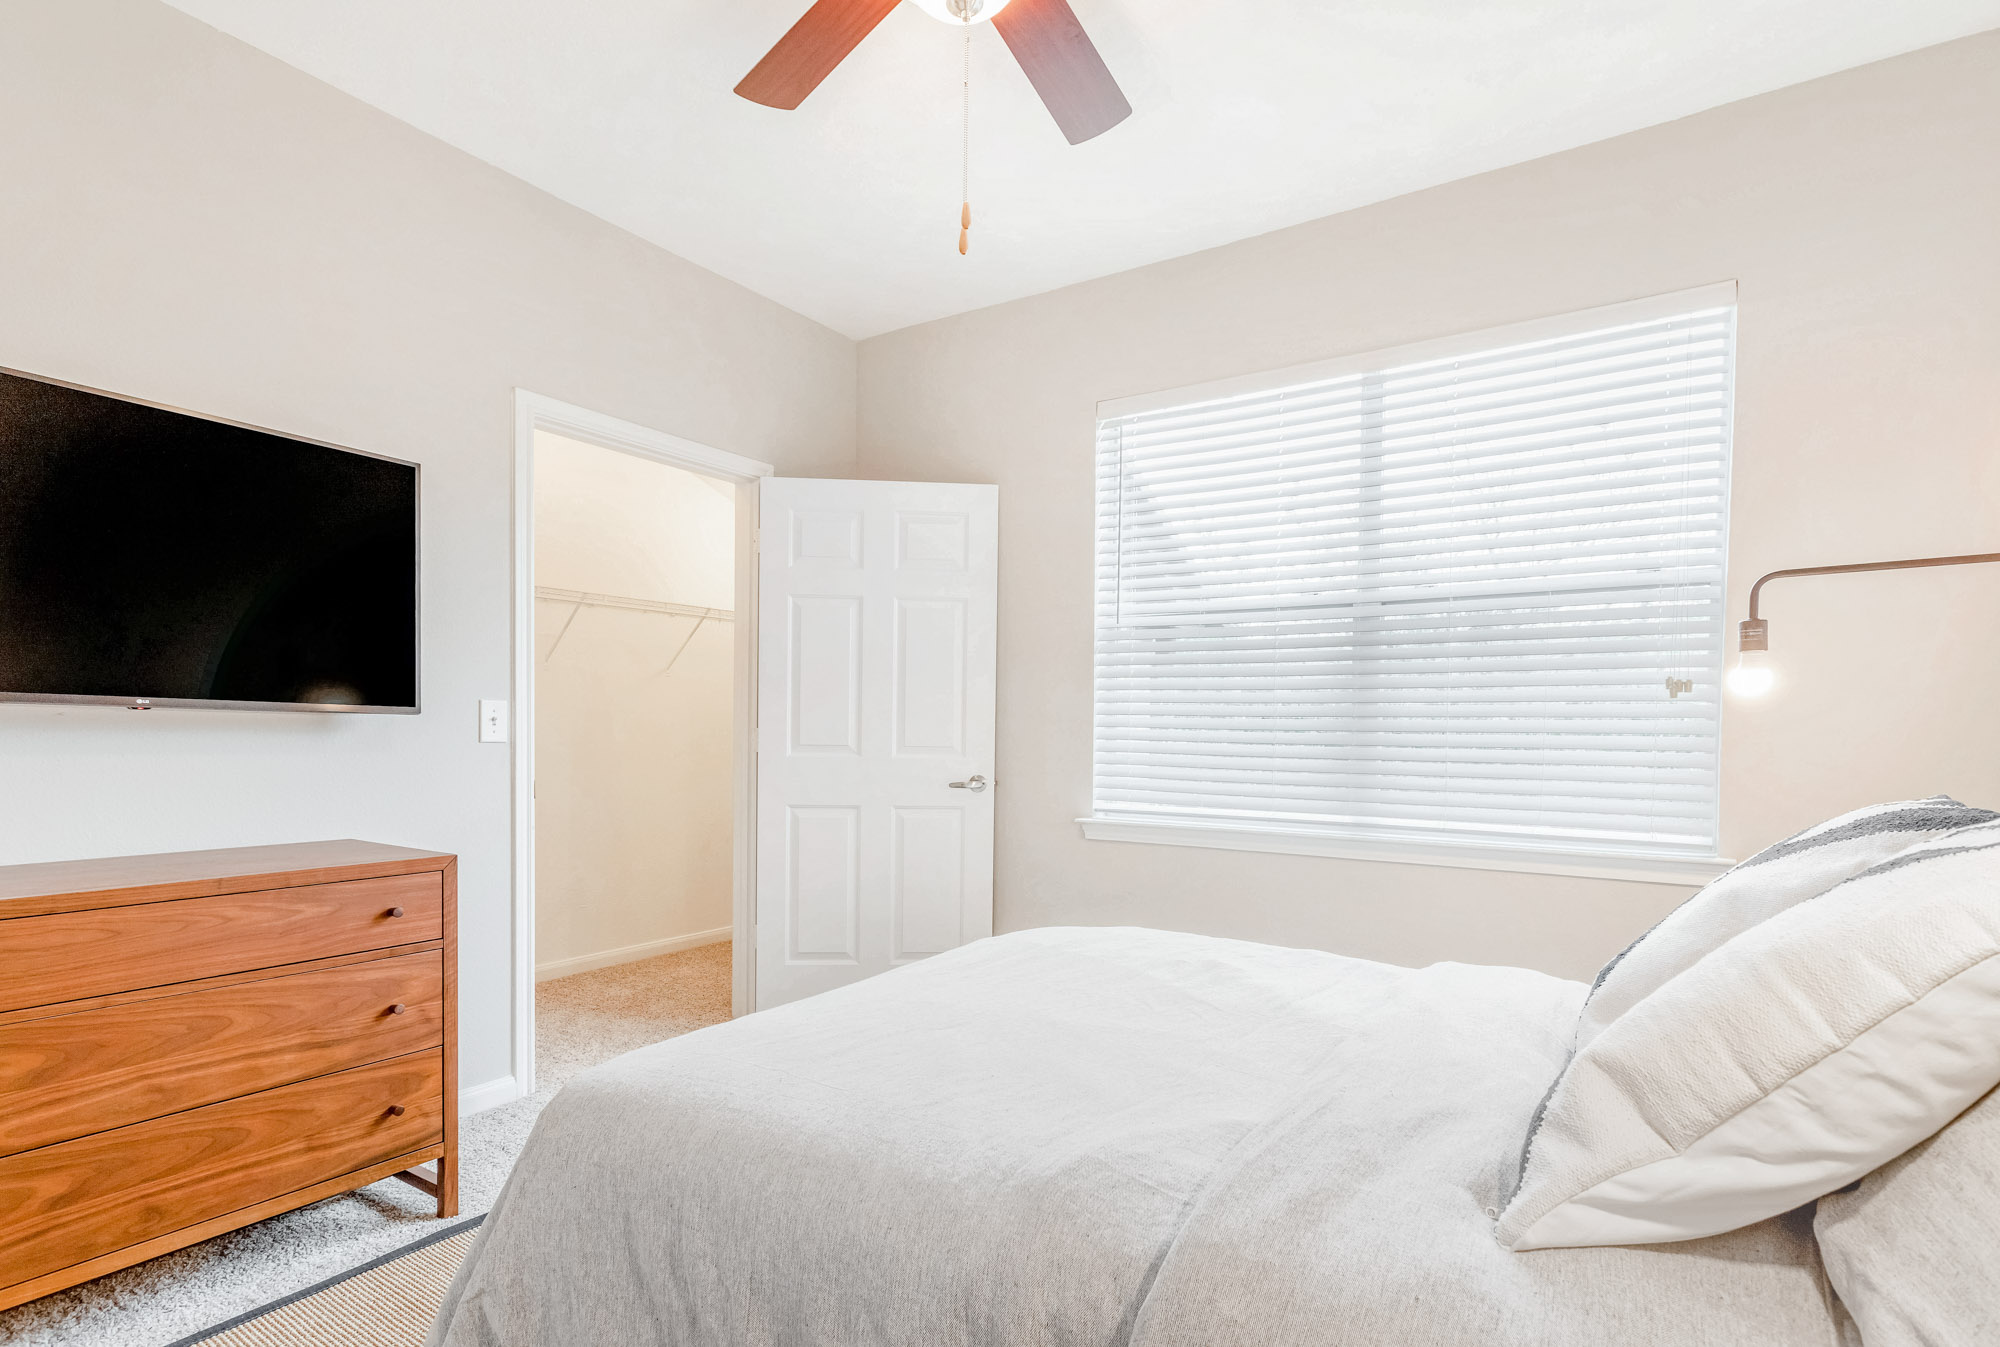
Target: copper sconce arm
[[1754, 633]]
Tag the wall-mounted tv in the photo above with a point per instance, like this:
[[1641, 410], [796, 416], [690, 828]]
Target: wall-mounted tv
[[149, 557]]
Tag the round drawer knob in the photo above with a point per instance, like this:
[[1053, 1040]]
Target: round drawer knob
[[398, 1008], [395, 1110], [395, 911]]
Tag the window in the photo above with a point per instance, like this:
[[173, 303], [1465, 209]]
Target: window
[[1465, 596]]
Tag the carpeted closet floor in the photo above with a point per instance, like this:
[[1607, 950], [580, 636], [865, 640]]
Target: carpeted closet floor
[[579, 1021]]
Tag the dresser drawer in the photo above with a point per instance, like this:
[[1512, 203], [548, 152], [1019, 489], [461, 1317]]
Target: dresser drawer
[[71, 1075], [72, 955], [64, 1204]]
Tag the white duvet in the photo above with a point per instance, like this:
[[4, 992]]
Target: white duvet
[[1092, 1136]]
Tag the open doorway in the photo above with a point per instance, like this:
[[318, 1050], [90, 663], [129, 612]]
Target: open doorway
[[634, 659], [634, 605]]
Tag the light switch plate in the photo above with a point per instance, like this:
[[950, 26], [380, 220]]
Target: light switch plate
[[492, 721]]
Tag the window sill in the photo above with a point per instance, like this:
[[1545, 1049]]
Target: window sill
[[1687, 872]]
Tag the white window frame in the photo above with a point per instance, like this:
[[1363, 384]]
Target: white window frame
[[1679, 871]]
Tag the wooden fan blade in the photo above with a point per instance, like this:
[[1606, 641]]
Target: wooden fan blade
[[809, 52], [1064, 67]]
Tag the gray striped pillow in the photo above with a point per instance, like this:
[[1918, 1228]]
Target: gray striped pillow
[[1788, 872], [1804, 1052], [1780, 876]]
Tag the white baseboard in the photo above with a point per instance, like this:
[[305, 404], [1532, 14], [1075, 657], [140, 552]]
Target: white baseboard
[[478, 1098], [584, 963]]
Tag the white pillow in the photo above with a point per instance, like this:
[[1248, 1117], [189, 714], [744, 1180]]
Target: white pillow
[[1911, 1248], [1800, 867], [1796, 1057]]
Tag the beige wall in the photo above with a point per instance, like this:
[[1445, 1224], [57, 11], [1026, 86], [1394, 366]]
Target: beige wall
[[189, 221], [633, 709], [1861, 216]]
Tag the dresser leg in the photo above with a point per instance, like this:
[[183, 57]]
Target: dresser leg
[[444, 1187], [447, 1184]]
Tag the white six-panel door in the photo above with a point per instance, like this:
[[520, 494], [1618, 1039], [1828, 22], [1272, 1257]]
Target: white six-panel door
[[876, 632]]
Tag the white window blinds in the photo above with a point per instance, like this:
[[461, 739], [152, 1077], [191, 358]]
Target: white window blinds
[[1474, 600]]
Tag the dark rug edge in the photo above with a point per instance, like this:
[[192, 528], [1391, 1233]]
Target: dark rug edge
[[435, 1236]]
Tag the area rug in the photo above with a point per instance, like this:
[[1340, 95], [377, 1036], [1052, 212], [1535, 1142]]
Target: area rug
[[389, 1301]]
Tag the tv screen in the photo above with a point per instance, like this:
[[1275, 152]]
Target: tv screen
[[150, 556]]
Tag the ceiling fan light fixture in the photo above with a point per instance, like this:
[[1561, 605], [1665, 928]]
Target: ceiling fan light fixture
[[1044, 36], [961, 12]]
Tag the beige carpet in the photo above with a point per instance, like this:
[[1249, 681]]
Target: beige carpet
[[579, 1021], [593, 1017]]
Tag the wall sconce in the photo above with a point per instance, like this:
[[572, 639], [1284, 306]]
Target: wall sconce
[[1753, 674]]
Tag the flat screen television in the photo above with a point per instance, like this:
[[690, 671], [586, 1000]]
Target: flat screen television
[[149, 557]]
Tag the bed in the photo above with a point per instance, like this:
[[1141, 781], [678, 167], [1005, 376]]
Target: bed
[[1094, 1136]]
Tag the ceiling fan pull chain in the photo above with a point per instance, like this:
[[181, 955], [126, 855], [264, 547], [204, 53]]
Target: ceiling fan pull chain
[[965, 172]]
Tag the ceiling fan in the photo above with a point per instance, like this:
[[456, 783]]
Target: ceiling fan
[[1044, 36]]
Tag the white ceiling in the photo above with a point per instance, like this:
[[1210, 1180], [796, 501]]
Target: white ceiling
[[1247, 118]]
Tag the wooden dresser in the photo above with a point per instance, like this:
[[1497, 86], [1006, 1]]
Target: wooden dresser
[[193, 1042]]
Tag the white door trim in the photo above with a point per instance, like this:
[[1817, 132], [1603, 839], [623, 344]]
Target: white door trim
[[533, 412]]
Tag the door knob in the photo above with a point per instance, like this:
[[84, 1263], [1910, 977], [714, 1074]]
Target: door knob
[[396, 1009], [975, 784], [395, 1110], [395, 911]]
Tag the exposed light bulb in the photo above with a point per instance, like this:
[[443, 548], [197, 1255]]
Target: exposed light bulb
[[1753, 674], [955, 11]]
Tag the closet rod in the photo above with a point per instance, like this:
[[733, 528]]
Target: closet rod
[[588, 600]]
